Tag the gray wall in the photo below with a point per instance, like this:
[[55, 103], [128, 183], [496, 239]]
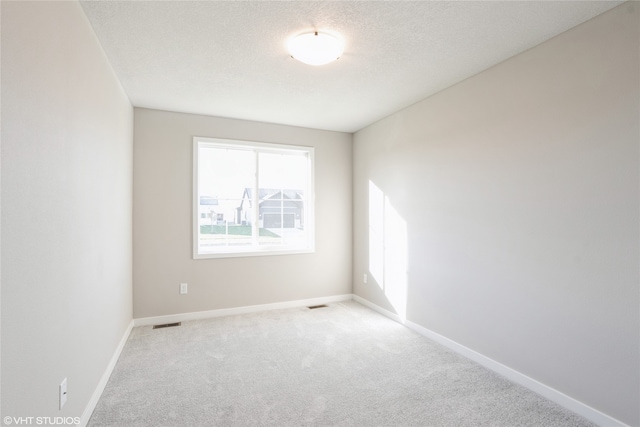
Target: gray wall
[[518, 193], [162, 221], [67, 130]]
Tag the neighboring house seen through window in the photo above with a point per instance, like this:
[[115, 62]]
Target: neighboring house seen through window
[[251, 198]]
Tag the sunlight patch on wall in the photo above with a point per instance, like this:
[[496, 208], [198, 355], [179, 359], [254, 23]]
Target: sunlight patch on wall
[[376, 234], [395, 259], [388, 249]]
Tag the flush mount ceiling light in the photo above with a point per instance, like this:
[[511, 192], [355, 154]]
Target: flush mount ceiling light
[[315, 48]]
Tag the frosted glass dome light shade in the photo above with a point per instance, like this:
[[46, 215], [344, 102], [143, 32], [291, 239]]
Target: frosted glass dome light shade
[[315, 48]]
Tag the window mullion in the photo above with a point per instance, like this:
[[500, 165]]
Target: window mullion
[[282, 213], [255, 227]]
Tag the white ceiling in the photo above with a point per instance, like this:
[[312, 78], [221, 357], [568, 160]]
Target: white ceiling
[[228, 58]]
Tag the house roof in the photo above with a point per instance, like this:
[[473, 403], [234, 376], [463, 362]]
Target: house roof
[[268, 193], [265, 194]]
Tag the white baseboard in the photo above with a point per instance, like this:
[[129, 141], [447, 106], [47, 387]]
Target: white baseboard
[[552, 394], [183, 317], [379, 309], [88, 410]]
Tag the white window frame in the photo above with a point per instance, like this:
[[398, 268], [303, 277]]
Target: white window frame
[[254, 249]]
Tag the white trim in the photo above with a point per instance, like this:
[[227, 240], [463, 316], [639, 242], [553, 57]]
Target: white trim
[[266, 252], [379, 309], [254, 249], [183, 317], [91, 406], [552, 394], [195, 203]]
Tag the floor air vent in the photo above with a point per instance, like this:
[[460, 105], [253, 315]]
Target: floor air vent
[[167, 325], [317, 306]]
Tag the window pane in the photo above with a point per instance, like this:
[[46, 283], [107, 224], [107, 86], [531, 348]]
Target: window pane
[[225, 178], [283, 180]]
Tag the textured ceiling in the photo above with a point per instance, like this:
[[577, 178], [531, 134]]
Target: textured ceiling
[[228, 58]]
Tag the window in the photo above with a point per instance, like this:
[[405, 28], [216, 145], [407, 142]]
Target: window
[[251, 198]]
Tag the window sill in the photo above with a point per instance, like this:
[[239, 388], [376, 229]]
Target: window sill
[[239, 254]]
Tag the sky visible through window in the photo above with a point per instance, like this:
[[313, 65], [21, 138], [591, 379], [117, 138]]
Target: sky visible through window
[[225, 173]]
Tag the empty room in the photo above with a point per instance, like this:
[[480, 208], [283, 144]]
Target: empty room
[[354, 213]]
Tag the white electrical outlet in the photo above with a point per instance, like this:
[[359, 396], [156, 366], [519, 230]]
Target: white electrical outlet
[[183, 288], [364, 277], [63, 392]]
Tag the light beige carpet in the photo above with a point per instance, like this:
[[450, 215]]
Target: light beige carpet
[[343, 365]]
